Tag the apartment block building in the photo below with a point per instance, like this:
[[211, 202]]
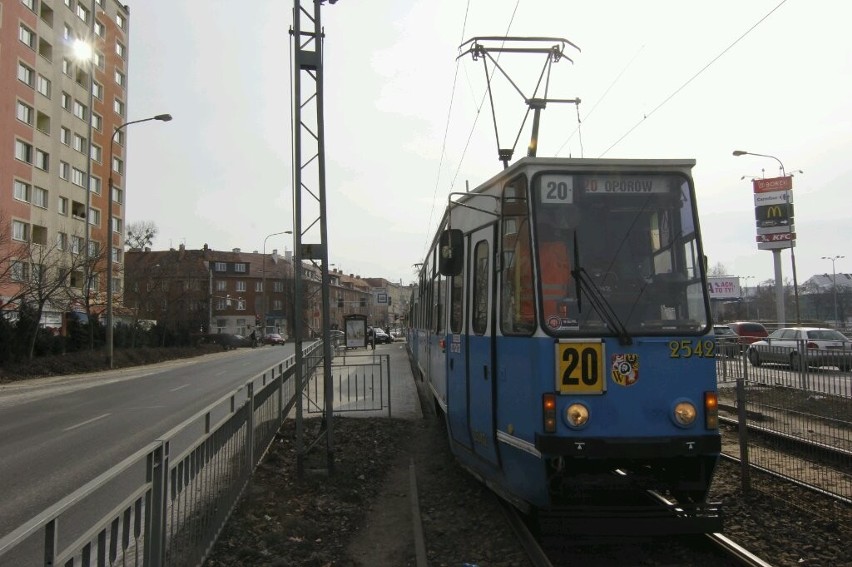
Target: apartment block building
[[237, 292], [63, 93]]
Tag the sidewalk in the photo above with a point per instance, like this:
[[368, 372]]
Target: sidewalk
[[404, 399]]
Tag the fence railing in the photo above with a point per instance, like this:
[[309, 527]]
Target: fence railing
[[793, 420], [166, 503]]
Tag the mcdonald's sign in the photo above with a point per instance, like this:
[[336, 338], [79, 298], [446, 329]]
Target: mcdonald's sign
[[773, 215]]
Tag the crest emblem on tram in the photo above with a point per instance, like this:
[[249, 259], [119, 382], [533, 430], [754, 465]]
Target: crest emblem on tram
[[625, 369]]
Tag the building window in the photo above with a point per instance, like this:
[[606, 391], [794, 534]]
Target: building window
[[29, 4], [100, 30], [26, 75], [100, 60], [93, 248], [64, 170], [22, 191], [80, 110], [24, 113], [42, 160], [43, 122], [221, 285], [20, 271], [66, 66], [27, 36], [65, 100], [40, 197], [94, 217], [77, 243], [79, 143], [61, 240], [63, 206], [241, 305], [221, 267], [20, 231], [78, 177], [119, 78], [97, 121], [117, 165], [117, 195], [258, 286], [78, 210], [98, 90], [95, 185], [43, 85], [120, 21], [278, 286], [221, 304], [117, 225], [277, 305], [118, 107], [64, 135], [23, 151], [116, 254], [241, 285], [83, 13], [240, 267]]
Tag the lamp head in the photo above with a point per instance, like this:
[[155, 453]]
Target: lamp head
[[163, 117], [739, 153]]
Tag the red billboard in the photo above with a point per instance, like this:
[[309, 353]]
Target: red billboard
[[773, 184]]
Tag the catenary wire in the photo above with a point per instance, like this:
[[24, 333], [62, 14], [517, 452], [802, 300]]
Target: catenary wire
[[693, 77]]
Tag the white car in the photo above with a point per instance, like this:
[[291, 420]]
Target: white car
[[795, 345]]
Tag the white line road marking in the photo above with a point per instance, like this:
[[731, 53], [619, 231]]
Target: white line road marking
[[87, 422], [180, 388]]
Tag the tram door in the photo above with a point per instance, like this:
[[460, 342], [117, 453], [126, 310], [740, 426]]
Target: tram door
[[480, 346]]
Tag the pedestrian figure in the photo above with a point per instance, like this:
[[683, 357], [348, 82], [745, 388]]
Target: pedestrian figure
[[371, 338]]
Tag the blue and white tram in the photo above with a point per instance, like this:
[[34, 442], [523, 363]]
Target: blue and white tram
[[561, 320]]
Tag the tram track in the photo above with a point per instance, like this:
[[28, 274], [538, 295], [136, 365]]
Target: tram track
[[715, 547]]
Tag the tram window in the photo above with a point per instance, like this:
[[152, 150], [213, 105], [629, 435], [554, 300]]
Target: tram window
[[438, 305], [480, 288], [517, 298], [456, 304]]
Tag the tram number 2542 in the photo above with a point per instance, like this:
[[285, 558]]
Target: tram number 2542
[[579, 368]]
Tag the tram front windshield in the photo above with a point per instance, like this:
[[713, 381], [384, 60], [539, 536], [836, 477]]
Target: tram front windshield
[[617, 253]]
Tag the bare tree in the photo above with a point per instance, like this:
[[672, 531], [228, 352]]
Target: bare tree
[[44, 273], [10, 251], [140, 235]]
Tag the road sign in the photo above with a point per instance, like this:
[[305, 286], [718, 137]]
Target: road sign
[[776, 229], [773, 184]]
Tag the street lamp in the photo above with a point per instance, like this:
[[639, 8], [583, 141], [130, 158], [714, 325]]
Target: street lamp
[[116, 130], [746, 278], [779, 284], [834, 282], [263, 277]]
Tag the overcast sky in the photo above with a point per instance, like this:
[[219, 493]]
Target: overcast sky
[[657, 79]]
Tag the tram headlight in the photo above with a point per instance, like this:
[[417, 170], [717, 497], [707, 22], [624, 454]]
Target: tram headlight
[[685, 413], [576, 415]]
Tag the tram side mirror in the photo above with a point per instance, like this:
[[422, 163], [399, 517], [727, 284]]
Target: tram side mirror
[[451, 252]]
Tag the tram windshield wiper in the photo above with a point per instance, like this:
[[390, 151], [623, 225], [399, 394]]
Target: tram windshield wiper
[[583, 282]]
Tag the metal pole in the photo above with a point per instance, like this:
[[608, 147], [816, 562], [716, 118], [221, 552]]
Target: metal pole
[[779, 290], [109, 333], [263, 277]]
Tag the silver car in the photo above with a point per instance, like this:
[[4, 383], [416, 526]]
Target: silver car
[[797, 346]]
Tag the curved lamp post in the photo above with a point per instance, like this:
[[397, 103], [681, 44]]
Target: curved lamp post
[[162, 118], [834, 283], [263, 277], [779, 284]]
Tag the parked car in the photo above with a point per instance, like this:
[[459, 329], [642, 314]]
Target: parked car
[[796, 346], [748, 332], [273, 339], [727, 341], [227, 340], [381, 336]]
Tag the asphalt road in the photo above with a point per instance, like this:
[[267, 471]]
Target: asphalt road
[[58, 433]]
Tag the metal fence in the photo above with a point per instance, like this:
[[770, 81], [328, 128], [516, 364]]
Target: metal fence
[[792, 420], [166, 503], [361, 383]]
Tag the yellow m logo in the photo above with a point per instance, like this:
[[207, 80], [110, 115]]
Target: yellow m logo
[[774, 211]]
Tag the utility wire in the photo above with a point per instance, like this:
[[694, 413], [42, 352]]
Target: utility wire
[[683, 86]]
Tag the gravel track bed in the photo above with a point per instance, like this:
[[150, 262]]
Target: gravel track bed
[[361, 515]]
